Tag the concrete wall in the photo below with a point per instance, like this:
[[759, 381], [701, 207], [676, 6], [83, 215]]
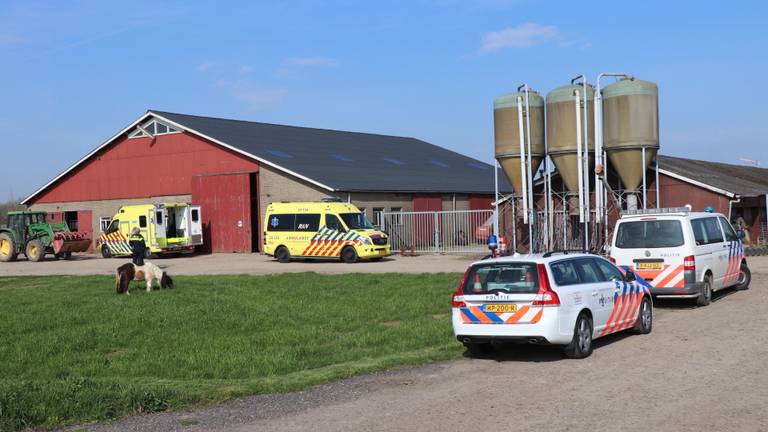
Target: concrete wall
[[105, 208]]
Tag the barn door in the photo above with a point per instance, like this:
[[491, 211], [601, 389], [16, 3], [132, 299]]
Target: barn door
[[225, 205]]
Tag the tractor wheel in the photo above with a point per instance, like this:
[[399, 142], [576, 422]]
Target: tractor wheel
[[35, 251], [7, 248]]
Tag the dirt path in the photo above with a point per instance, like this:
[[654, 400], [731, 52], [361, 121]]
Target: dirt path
[[255, 264], [700, 369]]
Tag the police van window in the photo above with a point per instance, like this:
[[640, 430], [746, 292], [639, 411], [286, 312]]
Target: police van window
[[706, 231], [195, 215], [281, 222], [142, 221], [588, 273], [649, 234], [608, 270], [308, 222], [564, 273], [730, 234], [332, 222]]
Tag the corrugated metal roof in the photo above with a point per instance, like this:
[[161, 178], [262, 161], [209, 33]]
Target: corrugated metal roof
[[738, 179], [351, 161]]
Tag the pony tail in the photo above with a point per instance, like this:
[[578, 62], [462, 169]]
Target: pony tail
[[166, 281]]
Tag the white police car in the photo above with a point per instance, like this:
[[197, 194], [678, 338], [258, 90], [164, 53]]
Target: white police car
[[559, 298]]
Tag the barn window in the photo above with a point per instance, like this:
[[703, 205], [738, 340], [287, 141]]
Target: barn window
[[104, 223], [154, 127]]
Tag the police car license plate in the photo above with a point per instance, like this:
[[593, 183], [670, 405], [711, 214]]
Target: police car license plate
[[649, 266], [501, 308]]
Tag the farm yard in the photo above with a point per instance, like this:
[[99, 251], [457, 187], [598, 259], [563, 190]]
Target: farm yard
[[72, 351], [362, 350]]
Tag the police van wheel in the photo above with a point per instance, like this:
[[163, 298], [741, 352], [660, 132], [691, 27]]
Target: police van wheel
[[105, 252], [644, 323], [581, 344], [706, 292], [349, 255], [282, 255], [745, 277]]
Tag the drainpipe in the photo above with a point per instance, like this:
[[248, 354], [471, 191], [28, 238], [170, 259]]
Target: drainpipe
[[730, 205]]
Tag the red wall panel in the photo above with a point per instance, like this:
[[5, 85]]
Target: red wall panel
[[677, 193], [143, 167], [480, 202], [226, 209], [84, 224]]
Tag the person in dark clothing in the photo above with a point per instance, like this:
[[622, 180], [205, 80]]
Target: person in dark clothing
[[138, 246]]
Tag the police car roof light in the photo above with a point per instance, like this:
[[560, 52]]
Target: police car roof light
[[686, 209]]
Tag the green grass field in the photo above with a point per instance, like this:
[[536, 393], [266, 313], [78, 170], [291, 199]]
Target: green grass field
[[73, 351]]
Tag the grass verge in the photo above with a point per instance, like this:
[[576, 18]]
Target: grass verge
[[72, 351]]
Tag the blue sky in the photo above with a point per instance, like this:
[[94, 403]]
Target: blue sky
[[76, 72]]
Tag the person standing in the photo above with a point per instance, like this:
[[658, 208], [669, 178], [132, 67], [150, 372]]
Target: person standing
[[138, 246]]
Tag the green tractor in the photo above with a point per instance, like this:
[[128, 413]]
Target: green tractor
[[31, 234]]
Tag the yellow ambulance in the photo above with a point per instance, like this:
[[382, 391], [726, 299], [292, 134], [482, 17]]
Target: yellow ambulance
[[166, 228], [325, 229]]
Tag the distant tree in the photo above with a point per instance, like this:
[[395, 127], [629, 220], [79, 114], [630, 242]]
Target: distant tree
[[6, 207]]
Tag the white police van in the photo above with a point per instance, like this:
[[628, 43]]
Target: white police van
[[559, 298], [675, 252]]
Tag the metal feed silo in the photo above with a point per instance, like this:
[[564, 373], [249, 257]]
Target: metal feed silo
[[561, 131], [506, 123], [631, 124]]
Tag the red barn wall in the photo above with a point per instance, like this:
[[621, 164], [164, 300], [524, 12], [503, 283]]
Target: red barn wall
[[143, 167], [677, 193]]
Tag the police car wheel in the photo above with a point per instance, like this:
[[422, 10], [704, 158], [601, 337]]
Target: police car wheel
[[581, 344], [106, 252], [706, 292], [282, 255], [644, 323], [745, 277], [349, 255]]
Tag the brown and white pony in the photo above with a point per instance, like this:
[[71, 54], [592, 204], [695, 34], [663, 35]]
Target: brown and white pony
[[148, 272]]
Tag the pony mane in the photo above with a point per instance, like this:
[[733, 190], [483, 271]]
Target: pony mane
[[125, 274]]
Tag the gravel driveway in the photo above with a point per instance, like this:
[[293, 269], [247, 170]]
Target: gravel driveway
[[700, 369]]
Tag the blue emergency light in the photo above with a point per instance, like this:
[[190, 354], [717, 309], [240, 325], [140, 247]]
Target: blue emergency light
[[708, 209]]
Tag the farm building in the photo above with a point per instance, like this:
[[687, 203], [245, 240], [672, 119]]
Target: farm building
[[234, 169]]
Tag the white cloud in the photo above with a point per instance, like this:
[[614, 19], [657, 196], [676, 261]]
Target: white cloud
[[311, 62], [9, 39], [522, 36], [254, 96]]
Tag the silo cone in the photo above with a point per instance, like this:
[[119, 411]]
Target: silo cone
[[561, 135], [631, 123], [507, 135]]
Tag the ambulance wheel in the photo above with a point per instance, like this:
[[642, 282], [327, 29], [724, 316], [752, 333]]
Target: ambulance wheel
[[706, 292], [282, 254], [581, 344], [148, 254], [349, 255], [35, 250], [644, 323], [105, 251], [7, 248], [745, 277]]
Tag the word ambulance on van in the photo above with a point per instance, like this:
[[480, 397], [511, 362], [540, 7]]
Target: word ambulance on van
[[326, 229], [166, 228], [680, 253]]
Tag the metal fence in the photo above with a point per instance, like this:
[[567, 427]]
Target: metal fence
[[450, 232]]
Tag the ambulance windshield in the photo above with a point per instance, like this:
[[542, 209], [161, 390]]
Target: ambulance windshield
[[356, 221]]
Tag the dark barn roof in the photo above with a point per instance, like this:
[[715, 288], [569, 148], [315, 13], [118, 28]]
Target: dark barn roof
[[350, 161], [738, 179]]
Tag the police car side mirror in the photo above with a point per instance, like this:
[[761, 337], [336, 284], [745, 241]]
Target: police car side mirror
[[740, 234], [630, 276]]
